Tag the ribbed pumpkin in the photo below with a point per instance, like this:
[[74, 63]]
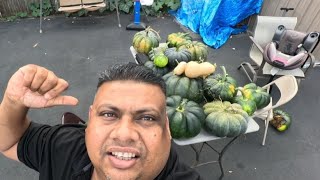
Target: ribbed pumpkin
[[247, 105], [185, 117], [190, 88], [177, 39], [155, 51], [145, 40], [157, 70], [220, 86], [225, 119], [198, 50], [257, 94], [175, 56]]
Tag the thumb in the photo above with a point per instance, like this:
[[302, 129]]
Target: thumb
[[62, 100]]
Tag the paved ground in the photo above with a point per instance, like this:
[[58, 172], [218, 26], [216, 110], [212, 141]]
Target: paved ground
[[77, 49]]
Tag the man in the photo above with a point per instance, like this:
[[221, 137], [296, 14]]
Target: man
[[127, 135]]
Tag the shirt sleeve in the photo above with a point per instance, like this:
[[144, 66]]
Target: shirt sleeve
[[44, 147]]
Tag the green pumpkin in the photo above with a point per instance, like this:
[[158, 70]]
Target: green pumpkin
[[177, 39], [198, 50], [155, 51], [145, 40], [220, 87], [247, 105], [157, 70], [257, 94], [281, 120], [190, 88], [225, 119], [185, 117], [175, 56]]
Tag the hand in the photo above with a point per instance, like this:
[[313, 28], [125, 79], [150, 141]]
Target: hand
[[36, 87]]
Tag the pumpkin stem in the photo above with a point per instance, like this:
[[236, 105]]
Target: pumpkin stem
[[224, 73], [180, 108], [150, 29]]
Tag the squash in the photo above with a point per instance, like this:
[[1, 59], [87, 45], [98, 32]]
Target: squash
[[175, 56], [247, 105], [281, 120], [144, 41], [185, 117], [198, 50], [180, 68], [183, 86], [220, 86], [257, 94], [177, 39], [160, 71], [193, 70], [225, 119], [207, 69]]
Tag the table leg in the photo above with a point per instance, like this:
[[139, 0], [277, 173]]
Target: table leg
[[221, 155], [197, 154]]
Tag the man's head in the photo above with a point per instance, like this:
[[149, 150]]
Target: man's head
[[128, 134]]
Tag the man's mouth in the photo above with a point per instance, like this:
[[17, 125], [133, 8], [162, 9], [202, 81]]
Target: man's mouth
[[123, 155], [123, 158]]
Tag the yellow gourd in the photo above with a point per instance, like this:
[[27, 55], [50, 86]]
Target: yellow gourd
[[180, 68], [206, 69], [192, 70]]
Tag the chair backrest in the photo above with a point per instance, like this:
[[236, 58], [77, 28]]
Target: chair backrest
[[264, 31], [288, 88]]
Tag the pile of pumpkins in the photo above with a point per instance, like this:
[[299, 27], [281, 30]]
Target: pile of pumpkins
[[196, 97]]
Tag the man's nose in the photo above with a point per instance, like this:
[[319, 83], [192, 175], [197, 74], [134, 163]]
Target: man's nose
[[125, 130]]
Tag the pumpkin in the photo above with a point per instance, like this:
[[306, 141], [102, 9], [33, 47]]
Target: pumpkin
[[156, 51], [247, 105], [198, 50], [257, 94], [281, 120], [177, 39], [220, 86], [175, 56], [144, 41], [157, 70], [180, 68], [184, 87], [225, 119], [185, 117], [195, 69]]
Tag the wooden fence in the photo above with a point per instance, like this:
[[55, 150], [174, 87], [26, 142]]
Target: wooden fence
[[11, 7]]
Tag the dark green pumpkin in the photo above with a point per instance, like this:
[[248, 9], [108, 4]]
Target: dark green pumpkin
[[177, 39], [157, 70], [190, 88], [281, 120], [220, 87], [185, 117], [257, 94], [247, 105], [154, 52], [144, 41], [198, 50], [225, 119], [175, 56]]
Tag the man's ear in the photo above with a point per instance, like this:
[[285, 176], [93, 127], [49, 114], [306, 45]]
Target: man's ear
[[168, 126]]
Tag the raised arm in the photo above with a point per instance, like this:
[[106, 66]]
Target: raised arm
[[31, 86]]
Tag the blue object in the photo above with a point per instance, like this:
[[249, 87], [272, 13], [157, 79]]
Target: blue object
[[216, 20], [137, 6]]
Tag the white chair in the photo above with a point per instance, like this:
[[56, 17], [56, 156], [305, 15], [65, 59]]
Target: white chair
[[263, 33], [288, 88]]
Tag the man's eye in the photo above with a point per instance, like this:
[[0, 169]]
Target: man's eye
[[109, 114], [148, 118]]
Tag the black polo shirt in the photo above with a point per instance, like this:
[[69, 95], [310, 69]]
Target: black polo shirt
[[59, 153]]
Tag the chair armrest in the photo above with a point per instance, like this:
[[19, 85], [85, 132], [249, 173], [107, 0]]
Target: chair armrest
[[256, 44], [312, 61]]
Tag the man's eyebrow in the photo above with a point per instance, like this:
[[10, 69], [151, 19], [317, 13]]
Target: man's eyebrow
[[109, 106]]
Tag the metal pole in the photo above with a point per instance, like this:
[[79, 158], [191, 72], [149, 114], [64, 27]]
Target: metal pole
[[40, 16]]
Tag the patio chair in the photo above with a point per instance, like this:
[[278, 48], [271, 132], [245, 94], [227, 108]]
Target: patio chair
[[70, 118], [263, 33], [288, 88], [71, 6]]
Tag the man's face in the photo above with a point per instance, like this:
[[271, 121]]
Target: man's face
[[128, 133]]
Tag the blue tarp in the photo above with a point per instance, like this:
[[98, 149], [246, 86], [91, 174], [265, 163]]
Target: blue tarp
[[215, 20]]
